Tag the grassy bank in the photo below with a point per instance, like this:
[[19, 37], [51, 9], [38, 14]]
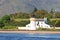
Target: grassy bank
[[48, 29]]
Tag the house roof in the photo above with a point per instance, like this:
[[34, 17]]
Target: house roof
[[39, 20], [36, 19]]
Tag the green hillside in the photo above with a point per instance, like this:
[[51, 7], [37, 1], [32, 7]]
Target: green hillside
[[20, 19]]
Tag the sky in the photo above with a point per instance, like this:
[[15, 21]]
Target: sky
[[13, 6]]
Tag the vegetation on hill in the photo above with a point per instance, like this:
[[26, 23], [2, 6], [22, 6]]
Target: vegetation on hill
[[21, 19]]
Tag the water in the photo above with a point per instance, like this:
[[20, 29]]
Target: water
[[4, 36]]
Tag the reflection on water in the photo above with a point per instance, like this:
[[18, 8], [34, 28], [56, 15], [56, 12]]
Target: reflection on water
[[29, 36]]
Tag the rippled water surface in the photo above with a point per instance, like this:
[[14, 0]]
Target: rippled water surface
[[4, 36]]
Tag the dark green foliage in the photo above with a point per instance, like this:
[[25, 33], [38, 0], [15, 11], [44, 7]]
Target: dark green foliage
[[20, 15], [23, 23], [52, 22], [57, 15], [15, 23], [48, 21], [9, 27], [1, 24], [57, 24], [35, 9], [51, 11], [5, 19], [38, 13], [8, 20], [50, 15], [41, 13]]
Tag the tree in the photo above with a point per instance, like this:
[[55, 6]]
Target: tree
[[5, 19], [51, 11], [50, 16], [41, 13], [35, 9], [57, 15], [54, 23], [1, 24], [33, 13], [57, 23]]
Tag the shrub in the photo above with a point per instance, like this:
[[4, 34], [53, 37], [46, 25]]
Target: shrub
[[58, 24], [5, 19], [15, 23], [1, 24], [9, 27]]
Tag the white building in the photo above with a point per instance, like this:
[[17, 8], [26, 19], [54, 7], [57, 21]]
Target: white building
[[35, 23]]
